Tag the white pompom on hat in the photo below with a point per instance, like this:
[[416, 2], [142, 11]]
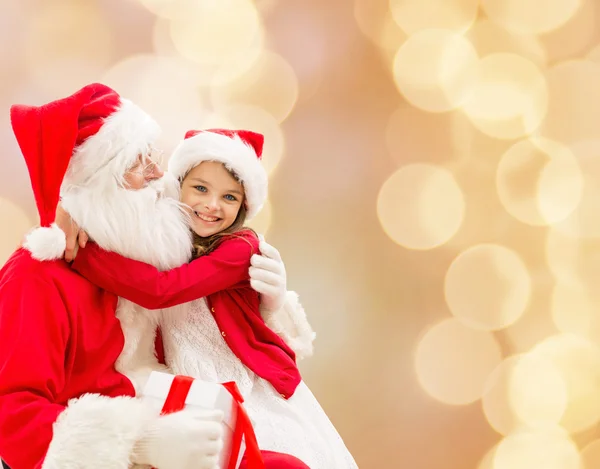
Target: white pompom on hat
[[68, 140]]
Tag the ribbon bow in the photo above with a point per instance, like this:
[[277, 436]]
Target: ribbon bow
[[180, 387]]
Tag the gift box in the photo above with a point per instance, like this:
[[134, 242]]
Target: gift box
[[172, 393]]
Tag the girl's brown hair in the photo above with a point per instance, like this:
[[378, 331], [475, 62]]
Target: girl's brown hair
[[203, 246]]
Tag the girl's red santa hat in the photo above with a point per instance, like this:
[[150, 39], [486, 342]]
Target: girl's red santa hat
[[72, 142], [239, 150]]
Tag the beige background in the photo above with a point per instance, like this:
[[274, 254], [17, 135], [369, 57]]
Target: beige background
[[434, 192]]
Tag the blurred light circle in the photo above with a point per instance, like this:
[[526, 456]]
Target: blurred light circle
[[510, 98], [270, 83], [590, 455], [487, 462], [257, 119], [15, 224], [420, 206], [205, 74], [225, 37], [435, 69], [487, 287], [489, 38], [574, 310], [67, 29], [576, 36], [161, 38], [454, 361], [323, 47], [496, 401], [539, 181], [530, 16], [574, 98], [537, 391], [575, 264], [262, 221], [584, 221], [389, 39], [182, 9], [375, 21], [542, 448], [176, 9], [66, 35], [524, 391], [164, 87], [64, 76], [415, 15], [562, 255], [579, 363]]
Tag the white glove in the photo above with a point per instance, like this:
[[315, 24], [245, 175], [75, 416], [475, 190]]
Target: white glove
[[268, 277], [187, 439]]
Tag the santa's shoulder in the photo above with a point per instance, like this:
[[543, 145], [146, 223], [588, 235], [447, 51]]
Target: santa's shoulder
[[22, 267]]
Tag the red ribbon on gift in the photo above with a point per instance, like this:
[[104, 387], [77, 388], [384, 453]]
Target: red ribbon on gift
[[180, 387]]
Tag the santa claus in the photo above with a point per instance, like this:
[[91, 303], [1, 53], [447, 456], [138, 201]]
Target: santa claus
[[70, 367]]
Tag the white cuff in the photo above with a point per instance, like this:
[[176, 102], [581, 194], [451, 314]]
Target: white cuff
[[98, 432], [290, 323]]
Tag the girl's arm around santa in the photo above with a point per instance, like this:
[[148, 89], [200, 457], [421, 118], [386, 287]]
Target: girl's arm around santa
[[146, 286]]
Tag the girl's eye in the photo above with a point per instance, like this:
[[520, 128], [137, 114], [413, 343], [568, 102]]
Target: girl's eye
[[230, 198], [200, 188]]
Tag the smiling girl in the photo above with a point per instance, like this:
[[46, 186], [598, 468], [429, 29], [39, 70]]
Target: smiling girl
[[220, 336]]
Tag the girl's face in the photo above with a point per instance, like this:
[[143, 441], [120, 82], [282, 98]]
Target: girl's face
[[213, 197]]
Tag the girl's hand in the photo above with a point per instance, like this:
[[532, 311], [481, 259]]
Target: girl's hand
[[76, 237], [268, 277]]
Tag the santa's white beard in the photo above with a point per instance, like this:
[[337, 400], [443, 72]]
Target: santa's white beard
[[140, 224], [143, 225]]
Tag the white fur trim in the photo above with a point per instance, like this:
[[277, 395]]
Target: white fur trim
[[126, 133], [138, 357], [172, 186], [233, 153], [46, 243], [98, 432], [291, 324]]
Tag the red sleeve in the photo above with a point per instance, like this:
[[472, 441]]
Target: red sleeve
[[34, 331], [146, 286]]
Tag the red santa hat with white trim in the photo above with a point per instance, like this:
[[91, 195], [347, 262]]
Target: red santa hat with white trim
[[239, 150], [71, 140]]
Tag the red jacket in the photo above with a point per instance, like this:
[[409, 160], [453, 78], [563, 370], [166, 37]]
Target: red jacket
[[222, 277], [59, 339]]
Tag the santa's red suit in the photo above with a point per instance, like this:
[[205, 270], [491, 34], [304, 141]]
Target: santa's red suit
[[63, 404], [60, 339]]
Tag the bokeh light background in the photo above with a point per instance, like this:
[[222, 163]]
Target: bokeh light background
[[435, 193]]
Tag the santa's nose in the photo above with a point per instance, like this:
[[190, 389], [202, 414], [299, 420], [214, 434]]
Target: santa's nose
[[156, 172]]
